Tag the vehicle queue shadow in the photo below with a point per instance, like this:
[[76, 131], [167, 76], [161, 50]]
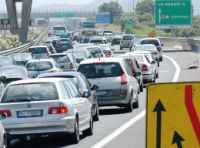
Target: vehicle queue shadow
[[112, 111], [45, 142]]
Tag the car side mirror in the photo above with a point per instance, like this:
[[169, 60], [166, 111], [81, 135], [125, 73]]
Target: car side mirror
[[2, 116], [95, 87], [153, 62]]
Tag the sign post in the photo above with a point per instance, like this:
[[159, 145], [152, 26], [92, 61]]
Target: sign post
[[173, 14], [173, 117]]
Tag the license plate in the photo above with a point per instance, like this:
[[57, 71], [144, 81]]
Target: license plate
[[29, 113], [100, 93]]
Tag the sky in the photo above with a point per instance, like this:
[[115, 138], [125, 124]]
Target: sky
[[37, 3]]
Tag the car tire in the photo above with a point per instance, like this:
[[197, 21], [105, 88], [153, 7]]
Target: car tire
[[6, 142], [141, 87], [158, 64], [136, 104], [75, 135], [89, 131], [129, 106], [121, 48], [157, 75], [96, 116], [161, 59]]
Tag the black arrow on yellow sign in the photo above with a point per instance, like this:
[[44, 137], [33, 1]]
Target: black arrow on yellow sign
[[177, 139], [159, 108]]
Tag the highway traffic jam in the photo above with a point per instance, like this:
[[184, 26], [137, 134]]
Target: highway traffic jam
[[57, 88]]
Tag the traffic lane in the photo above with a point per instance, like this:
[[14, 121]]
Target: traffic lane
[[111, 118], [134, 137], [184, 59]]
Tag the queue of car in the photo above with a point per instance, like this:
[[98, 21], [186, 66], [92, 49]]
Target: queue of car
[[59, 87]]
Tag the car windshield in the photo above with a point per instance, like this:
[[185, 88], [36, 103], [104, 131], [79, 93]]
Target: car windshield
[[95, 52], [39, 66], [38, 50], [127, 37], [97, 41], [60, 58], [154, 42], [142, 48], [30, 92], [139, 58], [100, 70], [13, 72]]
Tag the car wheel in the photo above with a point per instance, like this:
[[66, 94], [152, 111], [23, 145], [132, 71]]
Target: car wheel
[[121, 48], [161, 59], [6, 142], [129, 106], [136, 104], [96, 116], [157, 75], [89, 131], [75, 135], [141, 87], [158, 64]]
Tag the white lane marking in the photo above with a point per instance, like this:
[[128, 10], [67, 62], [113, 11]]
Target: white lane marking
[[177, 67], [132, 121], [119, 130]]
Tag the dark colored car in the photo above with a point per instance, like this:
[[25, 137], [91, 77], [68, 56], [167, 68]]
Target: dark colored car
[[83, 86], [62, 45]]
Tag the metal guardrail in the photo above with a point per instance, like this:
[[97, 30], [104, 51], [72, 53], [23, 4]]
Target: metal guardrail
[[24, 47]]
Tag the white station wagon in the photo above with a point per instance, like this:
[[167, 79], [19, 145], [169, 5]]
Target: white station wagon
[[45, 107]]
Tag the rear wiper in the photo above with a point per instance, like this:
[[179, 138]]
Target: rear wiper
[[28, 99]]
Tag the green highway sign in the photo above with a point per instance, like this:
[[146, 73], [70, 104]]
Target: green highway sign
[[63, 14], [128, 22], [173, 13]]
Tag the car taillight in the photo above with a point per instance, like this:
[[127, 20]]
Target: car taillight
[[144, 68], [6, 112], [58, 110], [124, 79], [109, 52], [159, 49], [154, 53], [82, 94]]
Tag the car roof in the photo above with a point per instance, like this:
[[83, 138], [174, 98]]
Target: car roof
[[150, 39], [41, 60], [98, 38], [59, 54], [42, 80], [91, 61], [142, 45], [38, 46], [68, 73]]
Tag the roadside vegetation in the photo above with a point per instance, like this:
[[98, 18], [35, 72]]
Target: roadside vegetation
[[144, 21]]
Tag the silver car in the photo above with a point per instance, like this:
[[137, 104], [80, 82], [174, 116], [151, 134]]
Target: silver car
[[115, 81], [3, 136], [45, 107], [127, 41], [36, 67], [65, 61], [148, 71]]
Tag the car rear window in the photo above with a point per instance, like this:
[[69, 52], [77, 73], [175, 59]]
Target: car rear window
[[100, 70], [30, 92], [127, 37], [61, 58], [97, 41], [38, 50], [95, 52], [39, 66], [154, 42]]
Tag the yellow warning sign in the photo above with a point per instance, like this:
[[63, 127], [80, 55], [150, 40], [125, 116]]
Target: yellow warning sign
[[152, 35], [173, 115]]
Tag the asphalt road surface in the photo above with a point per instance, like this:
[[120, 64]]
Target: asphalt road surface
[[117, 128]]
